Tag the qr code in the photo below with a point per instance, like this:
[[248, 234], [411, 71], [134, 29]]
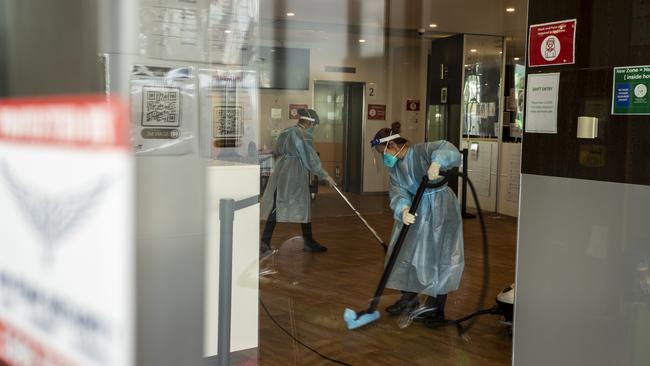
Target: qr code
[[161, 106], [227, 122]]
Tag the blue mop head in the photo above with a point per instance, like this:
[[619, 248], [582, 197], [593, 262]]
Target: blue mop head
[[354, 322]]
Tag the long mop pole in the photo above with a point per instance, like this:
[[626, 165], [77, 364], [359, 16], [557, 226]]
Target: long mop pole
[[374, 233]]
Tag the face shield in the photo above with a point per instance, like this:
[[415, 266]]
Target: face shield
[[308, 120], [382, 158]]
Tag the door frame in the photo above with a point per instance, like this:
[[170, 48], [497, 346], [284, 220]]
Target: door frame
[[346, 129]]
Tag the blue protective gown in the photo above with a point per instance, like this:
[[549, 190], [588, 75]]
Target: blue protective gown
[[290, 178], [431, 260]]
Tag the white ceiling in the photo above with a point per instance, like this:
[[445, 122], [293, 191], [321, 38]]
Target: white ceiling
[[451, 16]]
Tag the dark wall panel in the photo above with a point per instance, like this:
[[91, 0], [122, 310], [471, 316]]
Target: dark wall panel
[[609, 33], [448, 52]]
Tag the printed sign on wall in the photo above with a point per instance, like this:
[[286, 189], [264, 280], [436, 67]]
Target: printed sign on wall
[[552, 43], [377, 112], [66, 254], [541, 103], [412, 105], [630, 94], [293, 110]]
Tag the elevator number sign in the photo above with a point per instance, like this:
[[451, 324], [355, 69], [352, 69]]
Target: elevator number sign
[[630, 94]]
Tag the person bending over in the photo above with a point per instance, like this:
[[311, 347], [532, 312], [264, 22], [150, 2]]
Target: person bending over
[[431, 260]]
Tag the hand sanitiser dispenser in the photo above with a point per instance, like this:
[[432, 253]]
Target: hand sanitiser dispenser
[[587, 127]]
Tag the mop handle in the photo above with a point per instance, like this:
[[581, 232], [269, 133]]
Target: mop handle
[[374, 233]]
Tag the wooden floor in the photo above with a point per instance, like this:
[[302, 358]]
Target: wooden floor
[[307, 293]]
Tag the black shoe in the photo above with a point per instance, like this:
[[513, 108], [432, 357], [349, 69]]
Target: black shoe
[[404, 304], [314, 246], [437, 320]]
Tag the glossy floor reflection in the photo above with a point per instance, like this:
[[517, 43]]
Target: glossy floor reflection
[[306, 293]]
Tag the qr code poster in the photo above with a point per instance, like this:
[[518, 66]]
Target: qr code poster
[[227, 122], [161, 106], [164, 109]]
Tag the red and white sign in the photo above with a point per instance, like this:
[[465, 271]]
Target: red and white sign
[[552, 43], [377, 111], [293, 110], [412, 105], [92, 122], [67, 247]]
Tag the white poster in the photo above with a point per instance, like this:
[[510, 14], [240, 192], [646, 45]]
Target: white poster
[[174, 29], [541, 103], [229, 105], [66, 254], [163, 110]]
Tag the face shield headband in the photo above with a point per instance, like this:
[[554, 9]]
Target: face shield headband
[[376, 142]]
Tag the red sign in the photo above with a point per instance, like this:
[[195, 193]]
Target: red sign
[[377, 111], [17, 348], [80, 121], [552, 43], [412, 105], [293, 110]]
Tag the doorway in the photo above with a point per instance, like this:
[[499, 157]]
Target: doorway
[[339, 137]]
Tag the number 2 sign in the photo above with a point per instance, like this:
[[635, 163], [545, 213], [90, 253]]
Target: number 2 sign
[[371, 91]]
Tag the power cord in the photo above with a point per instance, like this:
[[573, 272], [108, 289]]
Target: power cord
[[266, 310]]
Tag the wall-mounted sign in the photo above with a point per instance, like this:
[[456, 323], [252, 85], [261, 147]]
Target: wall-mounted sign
[[412, 105], [630, 94], [276, 113], [541, 103], [377, 111], [371, 91], [552, 43], [293, 110], [66, 253], [163, 109], [443, 95]]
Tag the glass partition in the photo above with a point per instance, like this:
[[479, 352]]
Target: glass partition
[[482, 82]]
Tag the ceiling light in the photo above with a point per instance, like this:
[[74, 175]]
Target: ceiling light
[[362, 41], [433, 25], [516, 59], [291, 14], [473, 50], [227, 31], [510, 10]]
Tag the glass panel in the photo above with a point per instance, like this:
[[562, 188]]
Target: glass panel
[[482, 86], [437, 123], [330, 104]]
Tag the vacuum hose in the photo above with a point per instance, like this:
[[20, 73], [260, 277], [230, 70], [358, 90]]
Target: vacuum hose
[[486, 257]]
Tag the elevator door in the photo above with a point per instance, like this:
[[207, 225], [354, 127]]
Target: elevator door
[[339, 137]]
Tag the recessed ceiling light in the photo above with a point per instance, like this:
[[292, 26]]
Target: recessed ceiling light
[[510, 10], [433, 25], [291, 14], [362, 41], [516, 59], [473, 50], [227, 31]]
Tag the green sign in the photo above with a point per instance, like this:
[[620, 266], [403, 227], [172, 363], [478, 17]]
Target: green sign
[[630, 94]]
